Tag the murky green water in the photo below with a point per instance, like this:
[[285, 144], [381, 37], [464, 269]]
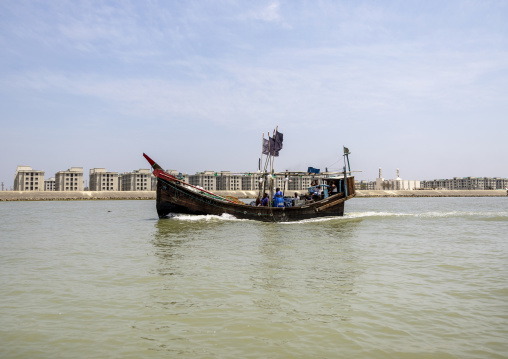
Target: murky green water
[[394, 278]]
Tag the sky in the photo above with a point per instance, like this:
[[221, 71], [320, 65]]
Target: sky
[[417, 85]]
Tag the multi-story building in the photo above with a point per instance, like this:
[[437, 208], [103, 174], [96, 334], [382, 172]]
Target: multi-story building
[[205, 180], [101, 180], [365, 185], [226, 181], [139, 180], [250, 182], [466, 183], [70, 180], [280, 182], [299, 183], [490, 183], [27, 179], [501, 183], [49, 184]]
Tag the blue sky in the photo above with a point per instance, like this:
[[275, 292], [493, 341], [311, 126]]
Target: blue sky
[[416, 85]]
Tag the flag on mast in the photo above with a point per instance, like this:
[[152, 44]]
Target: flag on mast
[[273, 145]]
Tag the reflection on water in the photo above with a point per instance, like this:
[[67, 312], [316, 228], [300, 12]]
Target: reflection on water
[[260, 272]]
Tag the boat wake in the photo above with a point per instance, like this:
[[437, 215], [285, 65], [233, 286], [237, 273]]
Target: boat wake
[[481, 216], [486, 216], [229, 218], [202, 218]]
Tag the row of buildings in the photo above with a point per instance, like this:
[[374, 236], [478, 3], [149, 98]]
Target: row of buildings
[[466, 183], [455, 183], [27, 179]]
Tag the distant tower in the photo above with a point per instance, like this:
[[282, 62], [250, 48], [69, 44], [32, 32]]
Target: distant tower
[[398, 173], [380, 173]]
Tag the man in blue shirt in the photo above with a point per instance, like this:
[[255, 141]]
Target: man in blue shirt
[[264, 200], [278, 198]]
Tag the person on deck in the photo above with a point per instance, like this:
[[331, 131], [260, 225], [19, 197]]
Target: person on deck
[[258, 201], [333, 188], [264, 200], [278, 198], [316, 195]]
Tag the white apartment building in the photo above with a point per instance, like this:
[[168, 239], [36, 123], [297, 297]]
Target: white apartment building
[[206, 180], [102, 180], [250, 182], [139, 180], [299, 183], [70, 180], [27, 179], [501, 183], [365, 185], [49, 184], [226, 181], [467, 183]]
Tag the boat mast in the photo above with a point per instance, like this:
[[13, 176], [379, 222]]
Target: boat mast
[[272, 179], [346, 157], [261, 187], [273, 157], [270, 174], [264, 174]]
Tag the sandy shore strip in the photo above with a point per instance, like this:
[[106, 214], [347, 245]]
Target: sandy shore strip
[[74, 195], [432, 193], [150, 195]]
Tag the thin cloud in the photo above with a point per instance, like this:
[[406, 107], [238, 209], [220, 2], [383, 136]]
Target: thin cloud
[[270, 13]]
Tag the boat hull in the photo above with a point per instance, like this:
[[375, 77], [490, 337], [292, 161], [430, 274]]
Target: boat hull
[[173, 198]]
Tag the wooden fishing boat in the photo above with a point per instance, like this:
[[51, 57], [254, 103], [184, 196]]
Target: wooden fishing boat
[[176, 196]]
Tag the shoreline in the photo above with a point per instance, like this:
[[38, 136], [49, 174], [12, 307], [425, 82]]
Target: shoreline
[[431, 193], [150, 195]]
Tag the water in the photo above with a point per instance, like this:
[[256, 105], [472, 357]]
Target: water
[[394, 278]]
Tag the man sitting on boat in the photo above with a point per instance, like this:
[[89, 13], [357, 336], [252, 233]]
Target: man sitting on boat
[[264, 200], [278, 198]]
